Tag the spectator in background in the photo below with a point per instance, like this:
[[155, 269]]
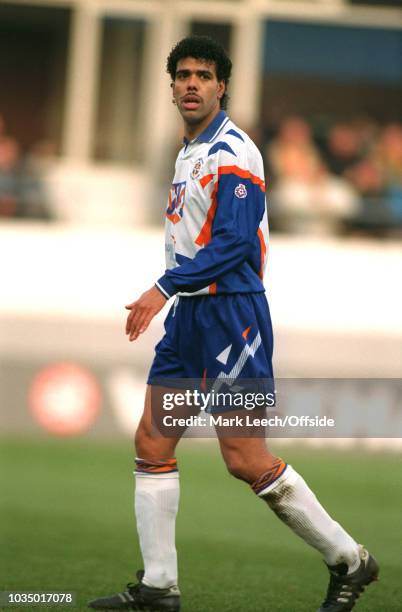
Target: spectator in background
[[368, 179], [343, 148], [22, 194], [389, 154], [293, 142], [10, 183], [367, 131], [377, 176], [306, 197]]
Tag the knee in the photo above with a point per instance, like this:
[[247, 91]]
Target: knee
[[250, 466], [144, 443], [236, 466], [153, 447]]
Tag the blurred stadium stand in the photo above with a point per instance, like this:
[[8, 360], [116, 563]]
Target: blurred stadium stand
[[85, 93], [88, 136]]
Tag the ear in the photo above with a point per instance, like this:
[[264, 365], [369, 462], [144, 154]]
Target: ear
[[221, 89], [172, 87]]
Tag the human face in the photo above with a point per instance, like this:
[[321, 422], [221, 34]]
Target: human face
[[197, 93]]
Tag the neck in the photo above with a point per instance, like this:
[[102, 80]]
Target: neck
[[192, 130]]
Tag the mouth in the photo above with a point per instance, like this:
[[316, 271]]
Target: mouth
[[191, 102]]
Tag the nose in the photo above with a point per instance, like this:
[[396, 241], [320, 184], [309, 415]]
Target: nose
[[192, 82]]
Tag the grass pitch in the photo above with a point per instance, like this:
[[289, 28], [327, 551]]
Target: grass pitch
[[67, 524]]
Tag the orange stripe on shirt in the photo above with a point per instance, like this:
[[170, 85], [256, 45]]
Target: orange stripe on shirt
[[263, 252], [206, 179], [246, 174], [205, 234], [206, 231]]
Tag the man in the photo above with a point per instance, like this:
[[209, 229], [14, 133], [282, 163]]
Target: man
[[216, 246]]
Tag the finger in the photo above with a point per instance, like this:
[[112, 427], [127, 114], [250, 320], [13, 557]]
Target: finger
[[142, 322], [128, 323], [130, 318], [143, 325], [139, 314], [134, 335], [135, 329]]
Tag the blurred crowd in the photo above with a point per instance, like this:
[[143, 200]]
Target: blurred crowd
[[22, 191], [346, 178], [339, 178]]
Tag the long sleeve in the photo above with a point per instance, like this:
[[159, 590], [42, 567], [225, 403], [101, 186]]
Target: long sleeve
[[229, 232]]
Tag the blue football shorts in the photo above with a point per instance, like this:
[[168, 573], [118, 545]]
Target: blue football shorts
[[215, 336]]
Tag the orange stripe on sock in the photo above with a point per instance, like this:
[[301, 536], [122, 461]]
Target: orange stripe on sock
[[268, 477], [156, 467]]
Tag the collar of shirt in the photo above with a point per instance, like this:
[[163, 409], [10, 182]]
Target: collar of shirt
[[211, 130]]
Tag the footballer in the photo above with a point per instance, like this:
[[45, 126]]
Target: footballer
[[216, 254]]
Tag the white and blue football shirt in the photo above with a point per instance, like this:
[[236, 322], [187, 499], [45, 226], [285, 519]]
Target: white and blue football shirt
[[216, 233]]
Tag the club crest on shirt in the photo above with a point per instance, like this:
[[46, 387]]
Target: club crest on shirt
[[196, 171], [175, 207], [240, 191]]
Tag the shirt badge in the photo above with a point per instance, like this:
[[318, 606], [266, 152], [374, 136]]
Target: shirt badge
[[196, 171], [240, 191]]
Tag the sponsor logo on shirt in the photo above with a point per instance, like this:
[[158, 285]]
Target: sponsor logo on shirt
[[175, 207]]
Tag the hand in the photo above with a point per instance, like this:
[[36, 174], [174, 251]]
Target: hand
[[143, 311]]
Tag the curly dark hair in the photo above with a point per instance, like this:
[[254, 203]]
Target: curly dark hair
[[204, 48]]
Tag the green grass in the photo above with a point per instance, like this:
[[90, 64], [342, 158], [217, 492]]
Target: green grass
[[67, 524]]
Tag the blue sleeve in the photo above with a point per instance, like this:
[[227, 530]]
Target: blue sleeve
[[240, 208]]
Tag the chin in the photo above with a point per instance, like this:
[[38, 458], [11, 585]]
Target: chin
[[193, 118]]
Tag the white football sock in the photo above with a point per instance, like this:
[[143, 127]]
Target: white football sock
[[297, 506], [156, 505]]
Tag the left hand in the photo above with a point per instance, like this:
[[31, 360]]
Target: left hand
[[143, 311]]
